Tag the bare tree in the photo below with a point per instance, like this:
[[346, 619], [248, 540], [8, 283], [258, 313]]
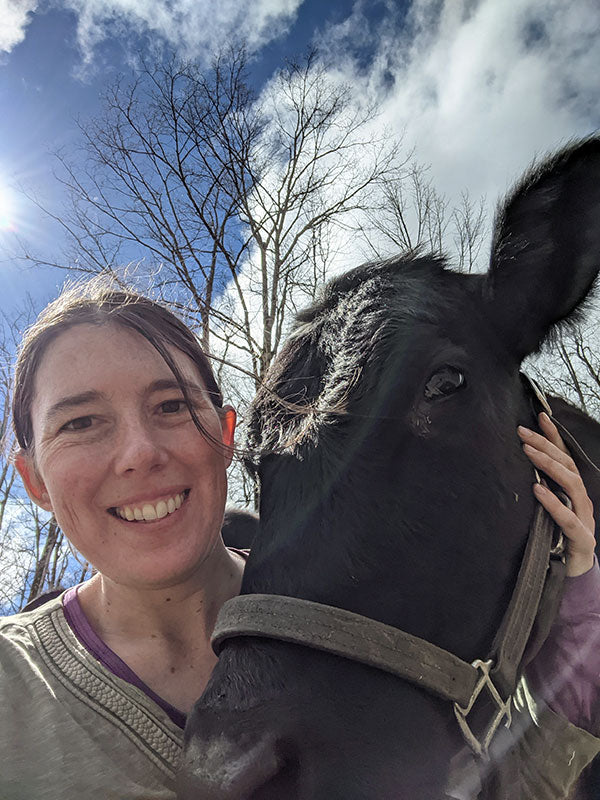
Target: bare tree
[[227, 198], [412, 216], [7, 470], [572, 368], [469, 231]]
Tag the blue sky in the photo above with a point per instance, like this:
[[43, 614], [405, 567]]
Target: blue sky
[[53, 71], [478, 87]]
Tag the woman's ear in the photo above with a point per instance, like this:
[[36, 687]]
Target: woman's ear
[[35, 486], [228, 419]]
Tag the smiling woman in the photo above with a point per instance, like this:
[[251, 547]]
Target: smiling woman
[[124, 437], [113, 433]]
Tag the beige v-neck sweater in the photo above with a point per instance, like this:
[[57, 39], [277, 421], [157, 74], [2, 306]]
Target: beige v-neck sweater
[[70, 729]]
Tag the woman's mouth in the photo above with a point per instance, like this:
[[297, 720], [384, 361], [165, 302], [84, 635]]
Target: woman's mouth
[[148, 512]]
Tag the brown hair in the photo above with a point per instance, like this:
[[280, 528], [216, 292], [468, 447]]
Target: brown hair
[[96, 302]]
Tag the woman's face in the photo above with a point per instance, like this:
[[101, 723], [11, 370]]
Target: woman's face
[[132, 482]]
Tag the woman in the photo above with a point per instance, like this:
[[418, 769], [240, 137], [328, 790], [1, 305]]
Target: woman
[[124, 437]]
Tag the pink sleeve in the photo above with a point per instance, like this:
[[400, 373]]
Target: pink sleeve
[[566, 671]]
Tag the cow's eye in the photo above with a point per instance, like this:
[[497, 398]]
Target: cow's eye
[[443, 382]]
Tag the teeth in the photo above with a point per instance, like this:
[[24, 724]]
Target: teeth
[[161, 509], [149, 512]]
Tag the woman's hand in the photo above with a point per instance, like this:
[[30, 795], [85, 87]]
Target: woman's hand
[[549, 454]]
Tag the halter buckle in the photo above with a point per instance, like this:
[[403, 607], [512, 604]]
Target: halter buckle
[[503, 711]]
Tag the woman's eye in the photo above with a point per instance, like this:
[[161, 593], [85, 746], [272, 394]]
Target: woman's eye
[[444, 382], [78, 424], [173, 406]]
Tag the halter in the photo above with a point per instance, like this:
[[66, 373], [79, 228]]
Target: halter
[[526, 623]]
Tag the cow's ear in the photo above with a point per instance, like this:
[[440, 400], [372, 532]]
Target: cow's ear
[[546, 247]]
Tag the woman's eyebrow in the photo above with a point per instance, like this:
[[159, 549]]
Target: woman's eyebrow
[[73, 401], [166, 384]]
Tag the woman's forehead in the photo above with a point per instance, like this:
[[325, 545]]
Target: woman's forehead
[[87, 355]]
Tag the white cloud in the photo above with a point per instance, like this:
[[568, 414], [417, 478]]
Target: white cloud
[[14, 19], [194, 28], [479, 86]]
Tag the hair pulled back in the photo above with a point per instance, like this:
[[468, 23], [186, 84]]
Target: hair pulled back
[[96, 302]]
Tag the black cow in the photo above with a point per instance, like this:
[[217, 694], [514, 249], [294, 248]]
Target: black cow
[[393, 485]]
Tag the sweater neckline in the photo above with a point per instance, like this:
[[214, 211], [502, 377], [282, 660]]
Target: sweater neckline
[[88, 637]]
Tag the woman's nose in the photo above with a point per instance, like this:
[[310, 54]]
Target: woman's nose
[[138, 448]]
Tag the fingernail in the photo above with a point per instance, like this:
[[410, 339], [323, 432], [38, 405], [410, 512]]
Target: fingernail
[[539, 489], [544, 417], [523, 431], [529, 449]]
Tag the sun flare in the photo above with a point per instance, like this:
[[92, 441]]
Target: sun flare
[[6, 210]]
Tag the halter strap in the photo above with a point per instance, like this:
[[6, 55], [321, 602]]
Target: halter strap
[[367, 641]]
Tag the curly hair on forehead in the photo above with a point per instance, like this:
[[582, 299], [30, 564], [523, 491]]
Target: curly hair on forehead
[[96, 302]]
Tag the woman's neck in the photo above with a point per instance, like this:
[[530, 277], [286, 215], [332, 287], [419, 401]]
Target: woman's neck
[[180, 612], [163, 634]]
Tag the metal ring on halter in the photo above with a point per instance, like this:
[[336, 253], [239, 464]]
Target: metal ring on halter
[[559, 549]]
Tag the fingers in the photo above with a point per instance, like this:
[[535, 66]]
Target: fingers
[[551, 432], [580, 538], [557, 464], [549, 454], [550, 442]]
